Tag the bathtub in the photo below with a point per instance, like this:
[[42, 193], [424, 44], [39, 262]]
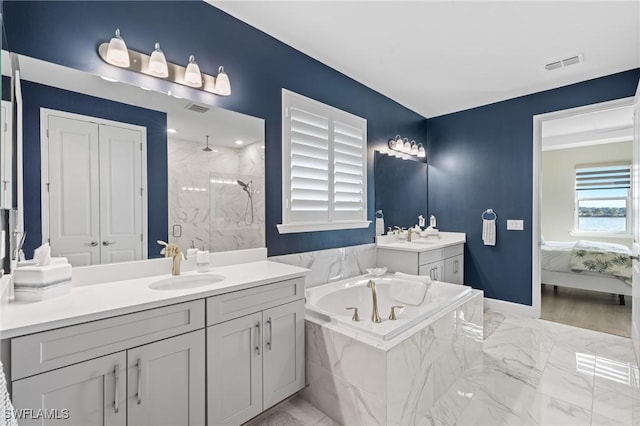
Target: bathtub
[[329, 302]]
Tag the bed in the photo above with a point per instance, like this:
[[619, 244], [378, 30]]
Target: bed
[[557, 269]]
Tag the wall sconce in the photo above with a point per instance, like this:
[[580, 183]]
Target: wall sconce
[[116, 53], [399, 144]]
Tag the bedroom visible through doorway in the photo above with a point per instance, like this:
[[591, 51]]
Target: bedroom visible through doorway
[[585, 217]]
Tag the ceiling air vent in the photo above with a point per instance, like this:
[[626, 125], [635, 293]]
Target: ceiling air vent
[[563, 62], [197, 108]]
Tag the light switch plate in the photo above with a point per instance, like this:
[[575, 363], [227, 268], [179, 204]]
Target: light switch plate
[[515, 225]]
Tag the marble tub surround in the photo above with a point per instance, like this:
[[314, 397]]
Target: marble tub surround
[[206, 201], [357, 381], [392, 242], [333, 264]]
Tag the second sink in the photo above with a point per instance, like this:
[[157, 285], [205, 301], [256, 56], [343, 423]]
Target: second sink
[[182, 282]]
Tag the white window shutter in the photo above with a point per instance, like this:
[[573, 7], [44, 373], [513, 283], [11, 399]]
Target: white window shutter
[[324, 167]]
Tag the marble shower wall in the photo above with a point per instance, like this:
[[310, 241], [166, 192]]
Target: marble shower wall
[[332, 264], [355, 383], [207, 204]]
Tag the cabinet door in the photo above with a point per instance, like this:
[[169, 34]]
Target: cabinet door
[[454, 269], [234, 370], [91, 392], [435, 270], [283, 361], [165, 382]]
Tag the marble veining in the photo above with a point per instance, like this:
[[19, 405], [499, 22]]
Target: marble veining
[[332, 264], [207, 205]]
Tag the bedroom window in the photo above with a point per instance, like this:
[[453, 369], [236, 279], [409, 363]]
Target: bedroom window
[[602, 197], [324, 167]]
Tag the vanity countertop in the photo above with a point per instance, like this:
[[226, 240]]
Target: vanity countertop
[[99, 301], [422, 244]]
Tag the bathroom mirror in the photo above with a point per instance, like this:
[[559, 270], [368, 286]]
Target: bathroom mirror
[[110, 168], [391, 173], [6, 135]]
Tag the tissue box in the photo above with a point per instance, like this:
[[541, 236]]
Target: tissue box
[[36, 283]]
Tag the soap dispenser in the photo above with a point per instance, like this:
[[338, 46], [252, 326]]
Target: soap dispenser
[[421, 221], [379, 222], [432, 221]]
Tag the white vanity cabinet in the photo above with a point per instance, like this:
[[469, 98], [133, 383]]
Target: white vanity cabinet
[[440, 263], [255, 350], [105, 373]]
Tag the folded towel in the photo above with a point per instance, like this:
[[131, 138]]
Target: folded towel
[[412, 291], [489, 232], [6, 409], [425, 279]]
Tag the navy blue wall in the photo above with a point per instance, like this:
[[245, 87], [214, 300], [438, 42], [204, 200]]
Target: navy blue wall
[[258, 65], [35, 96], [401, 189], [6, 88], [483, 158]]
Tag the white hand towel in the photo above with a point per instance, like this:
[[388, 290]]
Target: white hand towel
[[6, 409], [489, 232]]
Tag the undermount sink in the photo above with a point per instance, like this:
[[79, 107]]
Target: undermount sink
[[183, 282]]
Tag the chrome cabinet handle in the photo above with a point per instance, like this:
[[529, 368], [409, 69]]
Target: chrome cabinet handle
[[108, 243], [93, 244], [116, 397], [258, 338], [270, 339], [139, 391]]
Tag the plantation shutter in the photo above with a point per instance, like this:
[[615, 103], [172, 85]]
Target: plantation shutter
[[324, 165], [605, 177]]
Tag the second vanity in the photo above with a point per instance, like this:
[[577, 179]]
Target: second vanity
[[441, 258], [124, 352]]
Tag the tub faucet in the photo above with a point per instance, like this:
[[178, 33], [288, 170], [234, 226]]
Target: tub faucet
[[375, 315]]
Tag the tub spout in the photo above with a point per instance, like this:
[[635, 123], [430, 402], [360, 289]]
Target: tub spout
[[375, 315]]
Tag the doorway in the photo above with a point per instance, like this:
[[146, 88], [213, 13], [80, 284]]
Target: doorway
[[582, 244]]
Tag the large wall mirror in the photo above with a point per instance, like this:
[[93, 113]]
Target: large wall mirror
[[110, 168]]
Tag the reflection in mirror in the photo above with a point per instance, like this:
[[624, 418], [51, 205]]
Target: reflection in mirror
[[394, 179], [111, 168]]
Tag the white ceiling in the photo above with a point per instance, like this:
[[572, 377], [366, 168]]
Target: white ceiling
[[437, 57], [222, 126]]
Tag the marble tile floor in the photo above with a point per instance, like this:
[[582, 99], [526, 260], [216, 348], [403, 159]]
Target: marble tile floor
[[533, 372]]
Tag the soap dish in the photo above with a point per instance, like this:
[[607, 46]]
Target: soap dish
[[377, 272]]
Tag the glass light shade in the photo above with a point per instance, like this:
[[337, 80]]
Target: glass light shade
[[414, 148], [223, 86], [117, 53], [407, 146], [158, 63], [192, 76], [421, 151]]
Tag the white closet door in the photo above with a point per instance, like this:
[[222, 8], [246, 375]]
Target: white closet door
[[74, 206], [120, 194]]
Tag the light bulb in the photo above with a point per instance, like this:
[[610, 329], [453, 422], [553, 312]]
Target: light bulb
[[117, 53], [223, 86], [158, 63], [414, 148], [192, 76], [421, 151], [406, 148]]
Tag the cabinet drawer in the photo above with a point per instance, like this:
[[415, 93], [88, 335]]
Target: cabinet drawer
[[244, 302], [430, 256], [48, 350], [453, 250]]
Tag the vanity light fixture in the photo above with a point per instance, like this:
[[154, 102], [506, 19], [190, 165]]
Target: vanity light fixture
[[399, 146], [115, 53], [192, 75], [158, 63]]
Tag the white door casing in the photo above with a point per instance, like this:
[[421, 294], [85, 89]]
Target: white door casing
[[635, 228], [117, 186]]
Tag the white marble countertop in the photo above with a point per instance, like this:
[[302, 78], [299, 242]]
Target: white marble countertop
[[99, 301], [422, 244]]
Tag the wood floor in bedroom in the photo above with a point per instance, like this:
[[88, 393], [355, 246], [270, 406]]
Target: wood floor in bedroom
[[587, 309]]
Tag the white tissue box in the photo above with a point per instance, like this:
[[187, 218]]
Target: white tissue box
[[36, 283]]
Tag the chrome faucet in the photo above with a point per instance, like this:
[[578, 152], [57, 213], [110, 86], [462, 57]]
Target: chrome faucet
[[375, 315], [172, 250]]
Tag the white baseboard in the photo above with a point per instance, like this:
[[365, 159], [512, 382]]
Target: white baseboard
[[509, 308]]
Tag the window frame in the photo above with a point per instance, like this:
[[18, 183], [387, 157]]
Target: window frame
[[615, 234], [288, 225]]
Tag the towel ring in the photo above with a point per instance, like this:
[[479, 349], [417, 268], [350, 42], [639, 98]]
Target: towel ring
[[489, 212]]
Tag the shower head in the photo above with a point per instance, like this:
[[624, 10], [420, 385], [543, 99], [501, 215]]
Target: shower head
[[207, 149], [245, 186]]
